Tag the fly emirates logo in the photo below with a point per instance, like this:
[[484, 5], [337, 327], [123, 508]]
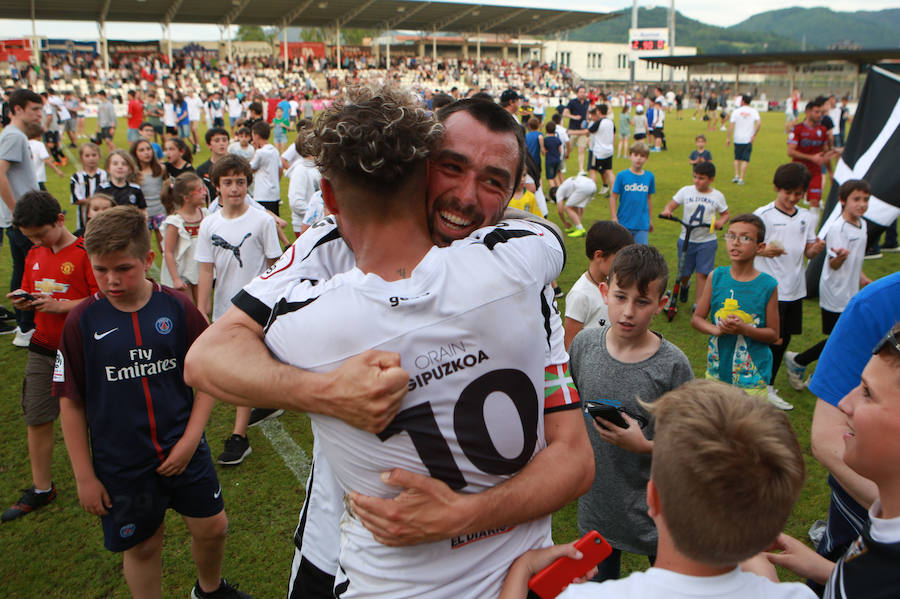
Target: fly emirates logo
[[142, 364]]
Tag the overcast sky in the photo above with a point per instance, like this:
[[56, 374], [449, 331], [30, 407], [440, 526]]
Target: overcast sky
[[715, 12]]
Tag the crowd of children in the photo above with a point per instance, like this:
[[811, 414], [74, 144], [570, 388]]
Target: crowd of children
[[216, 236]]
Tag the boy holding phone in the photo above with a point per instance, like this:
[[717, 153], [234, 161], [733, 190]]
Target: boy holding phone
[[57, 277], [615, 365], [750, 458]]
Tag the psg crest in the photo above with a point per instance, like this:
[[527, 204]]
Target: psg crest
[[163, 326]]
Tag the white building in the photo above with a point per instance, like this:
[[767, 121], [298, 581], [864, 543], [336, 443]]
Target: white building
[[595, 61]]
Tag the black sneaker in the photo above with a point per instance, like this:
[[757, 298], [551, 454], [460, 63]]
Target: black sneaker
[[236, 449], [6, 314], [6, 328], [558, 292], [225, 591], [683, 293], [29, 502], [258, 415]]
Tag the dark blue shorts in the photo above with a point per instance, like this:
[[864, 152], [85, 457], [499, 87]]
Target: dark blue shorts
[[700, 257], [742, 152], [140, 501]]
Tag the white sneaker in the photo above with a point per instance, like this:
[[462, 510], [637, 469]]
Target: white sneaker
[[777, 401], [22, 339], [795, 372]]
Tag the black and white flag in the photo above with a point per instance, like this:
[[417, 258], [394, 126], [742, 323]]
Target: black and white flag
[[872, 152]]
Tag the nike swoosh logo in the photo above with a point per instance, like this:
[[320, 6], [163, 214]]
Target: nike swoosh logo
[[217, 493], [99, 336]]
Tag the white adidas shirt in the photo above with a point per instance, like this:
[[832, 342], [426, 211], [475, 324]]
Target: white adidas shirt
[[466, 328]]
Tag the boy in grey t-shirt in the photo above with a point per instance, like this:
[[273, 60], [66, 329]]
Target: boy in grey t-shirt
[[620, 365]]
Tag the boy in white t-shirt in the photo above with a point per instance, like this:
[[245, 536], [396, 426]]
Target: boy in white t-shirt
[[585, 307], [703, 205], [304, 176], [242, 146], [752, 460], [234, 245], [743, 125], [266, 165], [790, 235], [40, 159], [842, 274]]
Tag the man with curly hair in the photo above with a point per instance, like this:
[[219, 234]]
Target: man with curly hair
[[471, 177]]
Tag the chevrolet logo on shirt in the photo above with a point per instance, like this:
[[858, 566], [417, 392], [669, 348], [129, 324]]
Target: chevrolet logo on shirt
[[50, 286]]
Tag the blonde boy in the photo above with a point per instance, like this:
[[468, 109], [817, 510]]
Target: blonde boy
[[133, 429], [726, 472]]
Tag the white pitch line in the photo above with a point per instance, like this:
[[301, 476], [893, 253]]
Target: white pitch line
[[293, 455]]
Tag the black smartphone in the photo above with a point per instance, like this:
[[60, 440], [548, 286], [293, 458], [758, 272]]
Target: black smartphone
[[25, 295], [607, 412]]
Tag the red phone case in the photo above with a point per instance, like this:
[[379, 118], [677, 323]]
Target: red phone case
[[550, 581]]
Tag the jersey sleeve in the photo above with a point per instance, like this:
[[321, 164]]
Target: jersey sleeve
[[141, 202], [271, 245], [73, 189], [810, 229], [194, 320], [576, 306], [834, 239], [203, 252], [678, 198], [68, 373], [721, 203], [318, 254], [534, 248], [792, 139], [618, 184], [27, 279], [652, 185]]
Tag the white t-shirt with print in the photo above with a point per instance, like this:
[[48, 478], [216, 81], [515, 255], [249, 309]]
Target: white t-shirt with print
[[238, 248]]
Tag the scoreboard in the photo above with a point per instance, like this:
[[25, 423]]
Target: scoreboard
[[649, 41], [648, 44]]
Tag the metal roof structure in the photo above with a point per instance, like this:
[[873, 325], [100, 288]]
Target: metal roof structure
[[381, 15], [858, 57]]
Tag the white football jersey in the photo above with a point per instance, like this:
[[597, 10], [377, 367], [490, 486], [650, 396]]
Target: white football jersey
[[467, 329], [837, 287], [793, 232]]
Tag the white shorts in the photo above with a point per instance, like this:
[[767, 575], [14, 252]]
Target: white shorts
[[583, 194]]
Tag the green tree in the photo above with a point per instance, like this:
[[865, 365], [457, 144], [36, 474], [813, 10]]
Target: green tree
[[255, 33]]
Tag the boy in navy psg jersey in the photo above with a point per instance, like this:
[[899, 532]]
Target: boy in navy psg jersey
[[133, 429]]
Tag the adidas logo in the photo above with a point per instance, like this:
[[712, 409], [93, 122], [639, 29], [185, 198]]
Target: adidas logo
[[637, 187]]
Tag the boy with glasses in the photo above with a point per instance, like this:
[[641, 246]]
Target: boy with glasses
[[743, 303]]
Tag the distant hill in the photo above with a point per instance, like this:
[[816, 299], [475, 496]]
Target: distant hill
[[709, 39], [772, 31], [823, 26]]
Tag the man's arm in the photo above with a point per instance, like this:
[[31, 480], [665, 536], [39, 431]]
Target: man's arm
[[730, 132], [5, 190], [204, 288], [794, 153], [828, 427], [91, 492], [365, 391], [428, 510]]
